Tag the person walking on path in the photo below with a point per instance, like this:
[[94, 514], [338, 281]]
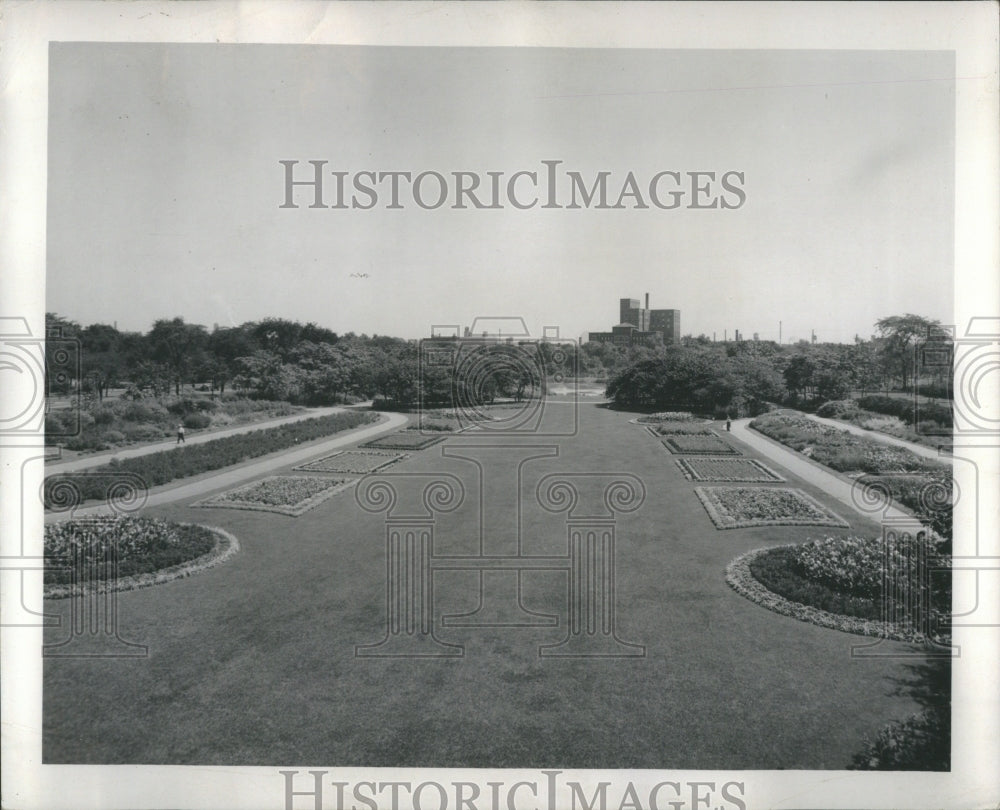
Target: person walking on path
[[180, 434], [729, 425]]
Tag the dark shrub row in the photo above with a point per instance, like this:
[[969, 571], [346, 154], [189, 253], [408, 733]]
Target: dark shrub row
[[185, 461], [905, 409]]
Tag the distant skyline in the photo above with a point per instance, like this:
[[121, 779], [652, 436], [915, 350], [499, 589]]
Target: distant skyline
[[165, 186]]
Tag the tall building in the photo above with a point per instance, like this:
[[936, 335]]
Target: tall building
[[640, 324]]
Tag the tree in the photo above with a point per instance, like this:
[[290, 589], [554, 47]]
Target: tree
[[265, 376], [101, 357], [901, 334], [176, 344], [60, 368], [799, 375]]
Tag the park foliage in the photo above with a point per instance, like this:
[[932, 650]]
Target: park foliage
[[188, 460]]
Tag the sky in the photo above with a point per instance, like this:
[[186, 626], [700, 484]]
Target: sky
[[165, 187]]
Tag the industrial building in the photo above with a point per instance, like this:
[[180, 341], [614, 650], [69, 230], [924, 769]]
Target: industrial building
[[640, 324]]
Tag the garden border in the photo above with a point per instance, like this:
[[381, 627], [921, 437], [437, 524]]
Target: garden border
[[741, 579], [299, 508], [397, 456], [677, 451], [226, 545], [723, 521], [430, 441], [691, 475]]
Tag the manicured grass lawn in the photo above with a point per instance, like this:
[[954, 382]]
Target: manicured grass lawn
[[253, 662]]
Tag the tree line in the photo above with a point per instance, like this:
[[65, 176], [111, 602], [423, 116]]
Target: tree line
[[280, 359]]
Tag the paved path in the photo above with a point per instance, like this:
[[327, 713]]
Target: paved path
[[919, 449], [97, 459], [251, 469], [811, 471]]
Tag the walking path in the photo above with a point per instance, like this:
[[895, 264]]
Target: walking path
[[919, 449], [251, 469], [817, 475], [97, 459]]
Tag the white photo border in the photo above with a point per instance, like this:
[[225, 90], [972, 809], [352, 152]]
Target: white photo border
[[967, 28]]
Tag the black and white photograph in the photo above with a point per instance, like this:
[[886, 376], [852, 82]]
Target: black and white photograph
[[490, 406]]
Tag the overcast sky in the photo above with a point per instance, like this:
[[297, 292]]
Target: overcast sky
[[164, 186]]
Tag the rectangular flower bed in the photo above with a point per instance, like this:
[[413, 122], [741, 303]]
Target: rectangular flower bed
[[360, 462], [726, 469], [680, 429], [666, 416], [700, 446], [285, 494], [405, 440], [743, 507]]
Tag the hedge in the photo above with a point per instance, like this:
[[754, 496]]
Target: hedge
[[904, 409]]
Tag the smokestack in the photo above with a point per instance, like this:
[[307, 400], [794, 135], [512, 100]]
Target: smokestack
[[647, 300]]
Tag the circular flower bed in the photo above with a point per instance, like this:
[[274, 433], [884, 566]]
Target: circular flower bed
[[872, 587], [123, 553]]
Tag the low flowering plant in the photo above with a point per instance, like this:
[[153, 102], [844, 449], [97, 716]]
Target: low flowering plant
[[111, 546]]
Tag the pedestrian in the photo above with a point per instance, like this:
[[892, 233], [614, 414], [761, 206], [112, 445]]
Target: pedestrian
[[180, 434], [729, 424]]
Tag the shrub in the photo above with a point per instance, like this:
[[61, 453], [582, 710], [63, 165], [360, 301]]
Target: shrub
[[103, 415], [181, 407], [143, 433], [904, 409], [932, 390], [143, 412], [846, 460], [196, 421], [838, 409], [922, 742], [87, 441], [114, 437]]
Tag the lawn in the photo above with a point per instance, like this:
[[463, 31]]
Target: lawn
[[253, 662]]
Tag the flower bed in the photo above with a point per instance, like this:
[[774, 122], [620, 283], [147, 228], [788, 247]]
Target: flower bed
[[405, 440], [852, 584], [700, 445], [121, 552], [666, 416], [726, 469], [743, 507], [286, 494], [680, 429], [181, 462], [840, 449], [921, 493], [360, 462], [441, 422]]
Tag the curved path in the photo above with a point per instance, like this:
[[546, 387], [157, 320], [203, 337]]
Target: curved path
[[97, 459], [816, 474], [234, 475]]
